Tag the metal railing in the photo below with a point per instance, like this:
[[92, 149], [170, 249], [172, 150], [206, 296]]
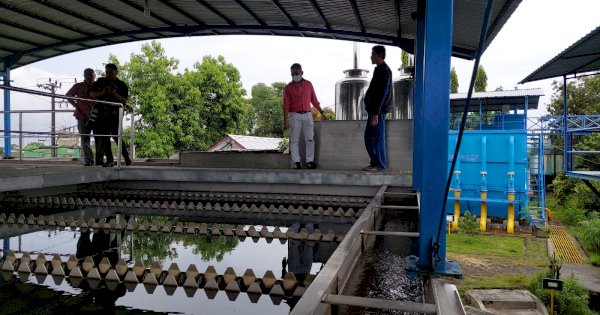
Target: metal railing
[[21, 132]]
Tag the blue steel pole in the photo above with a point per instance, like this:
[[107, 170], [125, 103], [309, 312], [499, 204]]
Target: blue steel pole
[[7, 144], [436, 109], [565, 128], [418, 99]]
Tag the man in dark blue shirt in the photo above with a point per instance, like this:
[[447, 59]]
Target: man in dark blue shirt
[[378, 101], [109, 88]]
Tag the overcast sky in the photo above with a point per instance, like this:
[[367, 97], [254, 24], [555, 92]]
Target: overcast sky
[[535, 33]]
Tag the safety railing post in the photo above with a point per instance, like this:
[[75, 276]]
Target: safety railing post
[[20, 136], [131, 140], [120, 137]]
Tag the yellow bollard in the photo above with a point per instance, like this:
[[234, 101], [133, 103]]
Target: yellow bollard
[[483, 218], [456, 209], [510, 226]]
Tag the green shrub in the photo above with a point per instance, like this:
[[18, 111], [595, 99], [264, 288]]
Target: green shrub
[[586, 199], [562, 186], [594, 259], [283, 145], [572, 300], [590, 236], [571, 215], [468, 223]]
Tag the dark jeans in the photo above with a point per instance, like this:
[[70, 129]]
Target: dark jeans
[[103, 146], [85, 130], [375, 142]]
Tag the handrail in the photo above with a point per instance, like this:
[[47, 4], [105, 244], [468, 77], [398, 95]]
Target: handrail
[[119, 134], [36, 92]]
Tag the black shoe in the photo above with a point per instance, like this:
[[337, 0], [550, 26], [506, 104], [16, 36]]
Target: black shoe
[[298, 165], [128, 162], [111, 164], [311, 165], [88, 163]]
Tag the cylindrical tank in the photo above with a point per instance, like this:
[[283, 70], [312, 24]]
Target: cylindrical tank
[[349, 95], [402, 96]]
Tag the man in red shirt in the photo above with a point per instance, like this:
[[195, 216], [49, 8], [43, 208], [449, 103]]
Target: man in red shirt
[[297, 97], [83, 112]]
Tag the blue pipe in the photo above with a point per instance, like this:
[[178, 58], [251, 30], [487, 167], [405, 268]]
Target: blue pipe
[[418, 119], [565, 127], [7, 142], [511, 164], [484, 163]]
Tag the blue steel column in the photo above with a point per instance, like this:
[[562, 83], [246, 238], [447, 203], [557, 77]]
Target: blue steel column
[[565, 128], [436, 109], [6, 79], [418, 98]]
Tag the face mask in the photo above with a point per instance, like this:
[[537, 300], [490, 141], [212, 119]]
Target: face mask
[[297, 78]]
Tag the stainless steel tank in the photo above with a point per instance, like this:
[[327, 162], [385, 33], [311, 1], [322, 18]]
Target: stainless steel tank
[[349, 95], [402, 96]]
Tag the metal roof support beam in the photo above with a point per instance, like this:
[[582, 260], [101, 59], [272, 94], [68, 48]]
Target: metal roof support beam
[[249, 11], [320, 12], [153, 14], [398, 12], [44, 19], [357, 15], [114, 14], [284, 12], [435, 106], [79, 16], [215, 11], [587, 63], [498, 19], [182, 12], [32, 30]]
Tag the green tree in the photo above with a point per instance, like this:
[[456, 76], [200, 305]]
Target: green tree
[[405, 57], [31, 146], [266, 112], [583, 98], [453, 81], [481, 80], [224, 110], [179, 112]]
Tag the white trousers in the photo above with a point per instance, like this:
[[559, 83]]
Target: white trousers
[[302, 123]]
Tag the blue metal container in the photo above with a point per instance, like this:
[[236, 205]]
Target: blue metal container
[[498, 153]]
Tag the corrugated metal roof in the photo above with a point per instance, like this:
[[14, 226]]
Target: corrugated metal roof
[[246, 143], [495, 100], [257, 143], [581, 57], [33, 30]]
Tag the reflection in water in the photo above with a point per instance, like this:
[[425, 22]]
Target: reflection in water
[[79, 296]]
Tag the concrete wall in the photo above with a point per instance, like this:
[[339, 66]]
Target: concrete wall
[[339, 145]]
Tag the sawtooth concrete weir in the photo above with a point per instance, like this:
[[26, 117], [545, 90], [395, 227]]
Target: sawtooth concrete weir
[[275, 197]]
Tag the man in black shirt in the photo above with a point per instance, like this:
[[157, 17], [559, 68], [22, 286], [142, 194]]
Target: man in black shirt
[[109, 88], [378, 102]]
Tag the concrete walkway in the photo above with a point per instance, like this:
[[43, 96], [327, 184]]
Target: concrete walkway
[[587, 275]]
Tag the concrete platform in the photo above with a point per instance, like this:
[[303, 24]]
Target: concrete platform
[[509, 302], [16, 176]]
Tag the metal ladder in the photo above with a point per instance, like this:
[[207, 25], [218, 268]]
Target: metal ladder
[[536, 179]]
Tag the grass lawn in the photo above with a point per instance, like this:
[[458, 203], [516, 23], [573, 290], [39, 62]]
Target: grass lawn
[[496, 261]]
